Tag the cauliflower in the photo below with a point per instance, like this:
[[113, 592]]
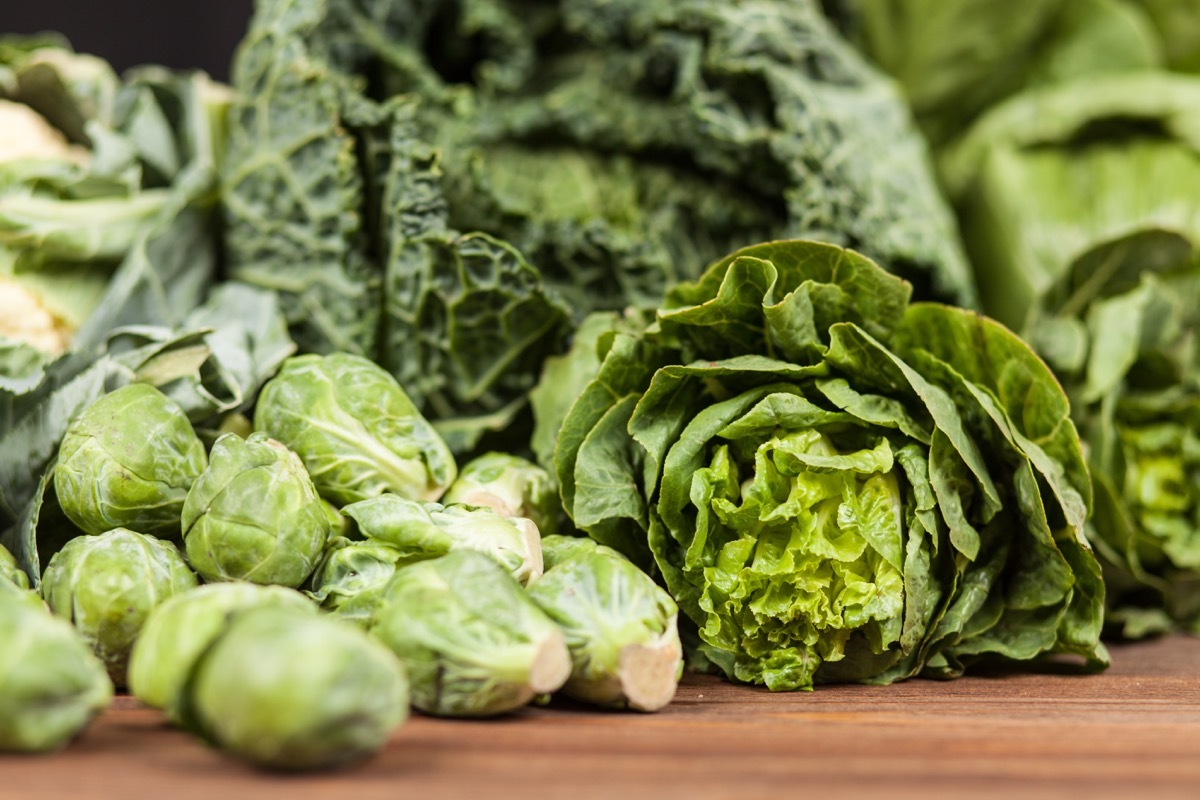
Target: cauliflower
[[26, 134], [23, 318]]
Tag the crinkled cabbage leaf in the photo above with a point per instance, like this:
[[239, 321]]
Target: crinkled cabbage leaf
[[441, 185]]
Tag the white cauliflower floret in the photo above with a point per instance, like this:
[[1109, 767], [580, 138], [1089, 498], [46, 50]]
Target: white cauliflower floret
[[23, 318], [25, 134]]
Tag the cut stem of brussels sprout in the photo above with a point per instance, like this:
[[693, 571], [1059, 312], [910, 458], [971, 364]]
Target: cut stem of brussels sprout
[[647, 674], [551, 666], [620, 626]]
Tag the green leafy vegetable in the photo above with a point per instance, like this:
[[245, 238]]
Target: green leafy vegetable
[[107, 585], [509, 485], [956, 58], [254, 515], [212, 371], [620, 626], [10, 571], [474, 643], [1080, 214], [181, 628], [107, 193], [440, 185], [128, 461], [428, 530], [51, 685], [356, 430], [291, 690], [353, 575], [836, 485]]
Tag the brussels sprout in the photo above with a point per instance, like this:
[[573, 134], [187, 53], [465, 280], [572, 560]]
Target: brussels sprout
[[51, 685], [474, 643], [254, 515], [621, 627], [107, 585], [352, 577], [509, 485], [128, 461], [428, 530], [179, 630], [356, 430], [9, 571], [558, 549], [293, 690]]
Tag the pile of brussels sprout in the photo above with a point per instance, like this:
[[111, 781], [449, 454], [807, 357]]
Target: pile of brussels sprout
[[289, 591]]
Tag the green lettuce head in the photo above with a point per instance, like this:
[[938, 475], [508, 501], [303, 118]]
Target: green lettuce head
[[10, 571], [1102, 276], [621, 627], [254, 515], [473, 641], [288, 689], [107, 585], [179, 630], [836, 485], [1137, 397], [355, 429], [51, 685], [509, 485], [428, 530], [127, 461]]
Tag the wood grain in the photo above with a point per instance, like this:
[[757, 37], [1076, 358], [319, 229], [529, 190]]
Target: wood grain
[[1133, 732]]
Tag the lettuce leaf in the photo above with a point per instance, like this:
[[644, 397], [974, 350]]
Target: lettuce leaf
[[834, 483]]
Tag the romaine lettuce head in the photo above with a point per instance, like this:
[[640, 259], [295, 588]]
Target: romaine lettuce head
[[446, 186], [51, 685], [1136, 381], [621, 627], [179, 630], [108, 585], [1080, 213], [473, 641], [428, 530], [836, 485]]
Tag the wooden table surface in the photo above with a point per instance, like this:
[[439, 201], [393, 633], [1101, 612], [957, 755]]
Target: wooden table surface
[[1133, 732]]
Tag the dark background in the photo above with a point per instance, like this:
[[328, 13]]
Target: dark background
[[185, 34]]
